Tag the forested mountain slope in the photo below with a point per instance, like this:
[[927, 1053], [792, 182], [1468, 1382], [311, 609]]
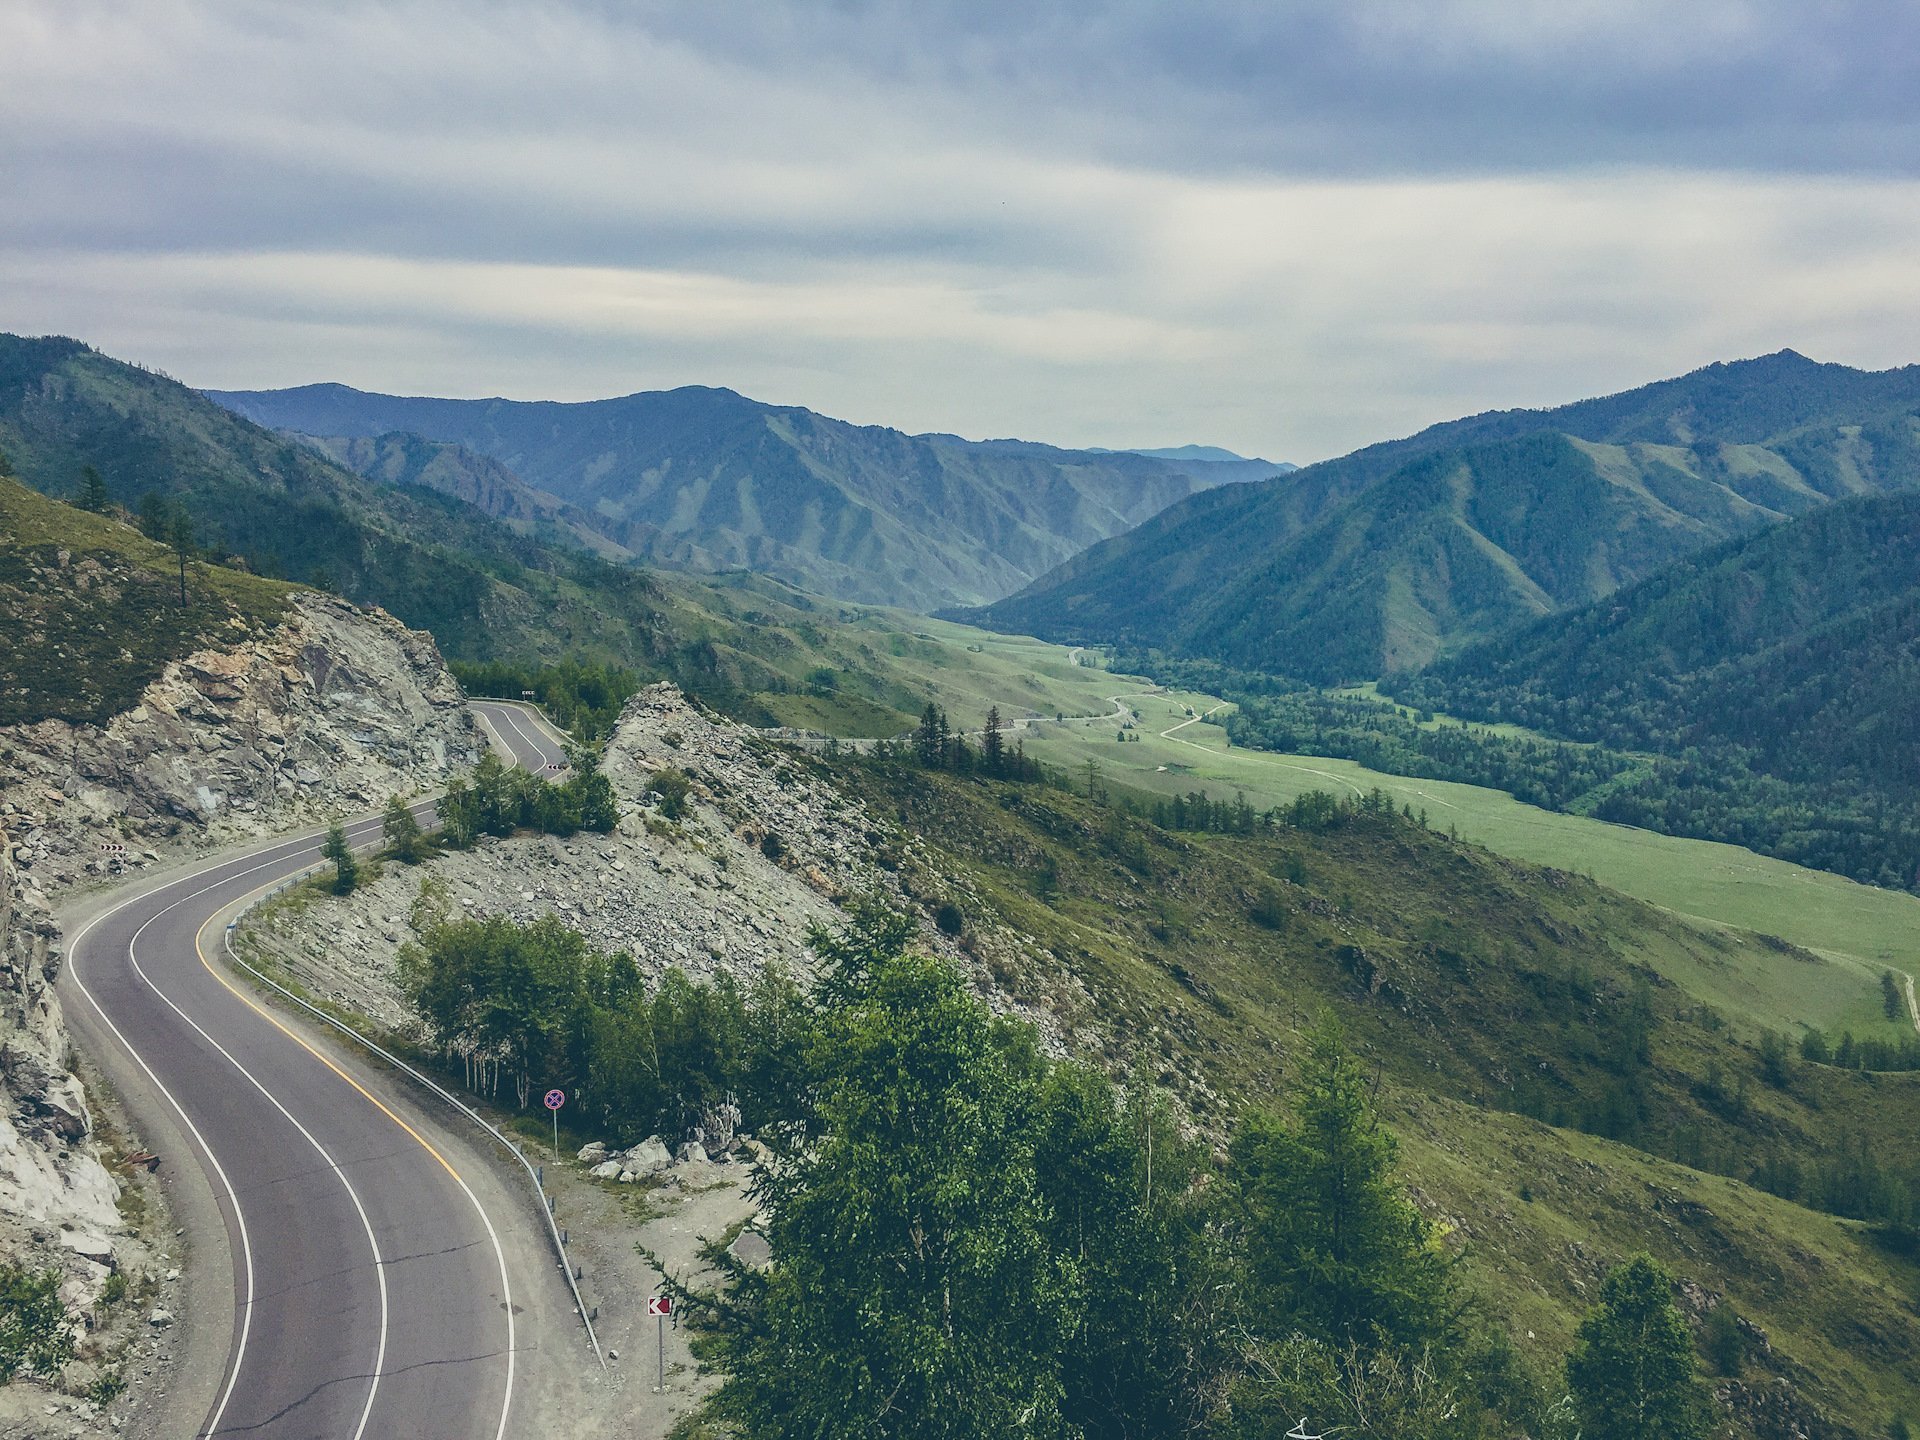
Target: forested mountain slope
[[1795, 653], [1386, 558], [705, 479], [285, 510], [487, 485], [1483, 992], [502, 591]]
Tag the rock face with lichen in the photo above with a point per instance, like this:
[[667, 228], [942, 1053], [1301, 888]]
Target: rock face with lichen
[[328, 712], [56, 1199]]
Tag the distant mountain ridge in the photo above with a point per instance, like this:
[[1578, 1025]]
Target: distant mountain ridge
[[482, 587], [487, 485], [709, 480], [1205, 454], [1380, 561], [1800, 645]]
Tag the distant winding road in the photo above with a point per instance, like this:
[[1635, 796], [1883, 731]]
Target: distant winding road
[[374, 1294]]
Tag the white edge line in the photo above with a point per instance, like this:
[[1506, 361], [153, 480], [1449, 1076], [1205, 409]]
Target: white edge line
[[233, 1199], [373, 1241], [553, 1228], [499, 1251], [458, 1104]]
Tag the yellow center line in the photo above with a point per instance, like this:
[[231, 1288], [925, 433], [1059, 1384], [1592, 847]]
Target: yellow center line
[[301, 1040]]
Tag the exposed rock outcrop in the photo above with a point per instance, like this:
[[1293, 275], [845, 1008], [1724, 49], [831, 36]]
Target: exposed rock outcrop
[[765, 851], [56, 1199], [335, 709]]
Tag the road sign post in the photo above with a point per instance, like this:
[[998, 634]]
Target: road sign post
[[555, 1099], [660, 1307]]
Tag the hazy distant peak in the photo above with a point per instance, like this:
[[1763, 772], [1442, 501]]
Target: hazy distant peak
[[1211, 454]]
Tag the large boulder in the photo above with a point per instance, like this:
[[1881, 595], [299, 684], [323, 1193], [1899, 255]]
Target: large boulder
[[649, 1157]]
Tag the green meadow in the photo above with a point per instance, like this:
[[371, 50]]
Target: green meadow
[[1856, 930]]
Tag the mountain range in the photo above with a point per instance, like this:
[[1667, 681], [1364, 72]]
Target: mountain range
[[286, 510], [708, 480], [1380, 561], [1796, 650]]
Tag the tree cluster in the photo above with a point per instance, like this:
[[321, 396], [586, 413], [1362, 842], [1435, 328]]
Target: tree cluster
[[935, 745], [582, 698], [1691, 782], [531, 1006], [1869, 1053], [498, 799], [971, 1240]]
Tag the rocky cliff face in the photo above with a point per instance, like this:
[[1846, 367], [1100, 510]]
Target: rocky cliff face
[[332, 711], [56, 1199]]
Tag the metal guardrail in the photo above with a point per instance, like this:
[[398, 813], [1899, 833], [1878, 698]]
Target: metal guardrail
[[533, 1175]]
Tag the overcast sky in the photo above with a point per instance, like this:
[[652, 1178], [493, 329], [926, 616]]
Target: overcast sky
[[1289, 228]]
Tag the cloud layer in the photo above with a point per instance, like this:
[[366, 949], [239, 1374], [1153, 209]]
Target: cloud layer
[[1291, 229]]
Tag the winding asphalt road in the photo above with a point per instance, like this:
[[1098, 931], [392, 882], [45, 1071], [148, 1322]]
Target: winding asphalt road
[[373, 1290]]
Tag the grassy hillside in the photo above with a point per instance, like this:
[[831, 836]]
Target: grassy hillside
[[94, 610], [772, 655], [1382, 560], [707, 480], [1564, 1092], [1855, 931]]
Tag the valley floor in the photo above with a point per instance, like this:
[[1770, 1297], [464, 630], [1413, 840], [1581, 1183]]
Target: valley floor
[[1861, 930]]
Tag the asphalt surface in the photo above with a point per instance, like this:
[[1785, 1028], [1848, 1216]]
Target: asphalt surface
[[372, 1289], [523, 734]]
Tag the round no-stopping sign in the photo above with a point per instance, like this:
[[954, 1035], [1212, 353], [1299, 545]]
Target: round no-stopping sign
[[555, 1099]]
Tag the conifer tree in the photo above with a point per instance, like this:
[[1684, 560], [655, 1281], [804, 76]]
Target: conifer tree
[[406, 842], [926, 737], [1632, 1368], [93, 491], [912, 1293], [346, 869], [156, 514], [180, 537], [1334, 1249]]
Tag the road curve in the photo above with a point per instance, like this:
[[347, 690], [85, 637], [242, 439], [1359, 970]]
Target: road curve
[[523, 734], [373, 1295]]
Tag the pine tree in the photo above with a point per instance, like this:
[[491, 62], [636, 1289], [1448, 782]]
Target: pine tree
[[592, 793], [1632, 1369], [180, 536], [406, 842], [992, 744], [156, 515], [93, 491], [1334, 1249], [346, 869], [926, 737], [912, 1292]]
